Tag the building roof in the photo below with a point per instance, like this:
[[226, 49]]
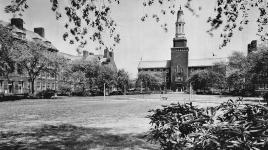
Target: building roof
[[92, 58], [154, 64], [69, 56], [192, 63], [205, 62], [29, 35]]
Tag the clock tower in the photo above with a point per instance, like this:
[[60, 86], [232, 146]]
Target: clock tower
[[179, 56]]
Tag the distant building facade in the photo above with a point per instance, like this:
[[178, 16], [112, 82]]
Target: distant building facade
[[106, 59], [178, 69]]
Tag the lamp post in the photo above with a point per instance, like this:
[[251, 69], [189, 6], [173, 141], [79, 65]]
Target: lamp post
[[104, 92], [190, 91], [141, 86]]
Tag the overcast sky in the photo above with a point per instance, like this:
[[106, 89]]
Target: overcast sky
[[146, 40]]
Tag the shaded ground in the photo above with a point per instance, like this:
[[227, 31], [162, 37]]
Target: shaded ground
[[69, 137], [118, 122]]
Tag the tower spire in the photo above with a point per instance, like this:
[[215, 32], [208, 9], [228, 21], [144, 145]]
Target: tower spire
[[180, 25]]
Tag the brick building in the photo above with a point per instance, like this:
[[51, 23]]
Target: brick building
[[18, 82], [180, 66]]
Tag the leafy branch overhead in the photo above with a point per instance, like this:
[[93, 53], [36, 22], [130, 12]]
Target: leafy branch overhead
[[87, 20], [229, 15], [90, 20]]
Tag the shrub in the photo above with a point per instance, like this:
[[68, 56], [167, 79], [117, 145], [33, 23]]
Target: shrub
[[47, 94], [81, 93], [65, 90], [230, 126]]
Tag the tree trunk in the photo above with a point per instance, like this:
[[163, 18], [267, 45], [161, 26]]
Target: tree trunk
[[32, 86]]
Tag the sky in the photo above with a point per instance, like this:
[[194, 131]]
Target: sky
[[146, 40]]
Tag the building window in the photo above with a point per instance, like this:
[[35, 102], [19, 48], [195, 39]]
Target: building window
[[53, 86], [48, 85], [20, 86], [44, 86], [38, 85], [10, 87], [261, 86], [5, 87], [266, 86], [53, 75]]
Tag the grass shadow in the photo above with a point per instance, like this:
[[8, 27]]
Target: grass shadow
[[69, 137]]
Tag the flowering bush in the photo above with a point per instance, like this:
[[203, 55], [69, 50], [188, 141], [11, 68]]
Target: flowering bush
[[232, 125]]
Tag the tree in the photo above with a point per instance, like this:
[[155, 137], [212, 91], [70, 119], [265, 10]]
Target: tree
[[237, 71], [105, 76], [78, 76], [229, 16], [258, 68], [206, 79], [80, 81], [150, 80], [7, 44], [237, 61], [35, 58], [220, 67], [89, 20], [236, 81], [92, 71], [122, 80]]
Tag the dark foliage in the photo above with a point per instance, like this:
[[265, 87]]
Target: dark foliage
[[230, 126], [80, 92], [46, 94], [64, 89]]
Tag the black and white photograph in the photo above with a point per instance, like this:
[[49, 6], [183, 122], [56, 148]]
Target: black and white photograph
[[133, 74]]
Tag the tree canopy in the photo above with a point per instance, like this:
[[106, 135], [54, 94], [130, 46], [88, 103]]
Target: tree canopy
[[150, 79], [6, 61], [86, 20], [229, 16], [35, 58], [122, 80], [206, 79], [91, 20]]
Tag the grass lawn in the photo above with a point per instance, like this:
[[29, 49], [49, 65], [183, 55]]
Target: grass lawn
[[118, 122]]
